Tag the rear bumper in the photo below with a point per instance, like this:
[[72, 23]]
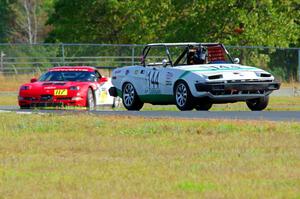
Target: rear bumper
[[241, 91], [113, 91]]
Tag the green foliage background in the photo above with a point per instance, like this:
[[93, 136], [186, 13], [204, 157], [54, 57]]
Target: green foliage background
[[272, 23], [234, 22]]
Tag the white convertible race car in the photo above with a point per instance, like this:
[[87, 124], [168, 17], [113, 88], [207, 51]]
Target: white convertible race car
[[191, 75]]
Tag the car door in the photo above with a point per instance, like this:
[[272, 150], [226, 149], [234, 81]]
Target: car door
[[154, 75], [154, 84]]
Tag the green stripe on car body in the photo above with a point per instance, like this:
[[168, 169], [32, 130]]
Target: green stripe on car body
[[157, 98], [184, 74], [119, 92], [152, 97]]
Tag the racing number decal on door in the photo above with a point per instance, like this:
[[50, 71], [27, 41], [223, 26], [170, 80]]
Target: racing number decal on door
[[152, 83], [152, 79]]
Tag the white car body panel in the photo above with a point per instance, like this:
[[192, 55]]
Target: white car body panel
[[145, 79], [102, 96], [217, 81]]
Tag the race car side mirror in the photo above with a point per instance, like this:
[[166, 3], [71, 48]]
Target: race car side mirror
[[164, 62], [236, 60], [102, 80], [32, 80]]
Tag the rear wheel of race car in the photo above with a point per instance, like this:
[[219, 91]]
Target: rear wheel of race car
[[130, 98], [258, 104], [203, 106], [183, 97], [90, 100]]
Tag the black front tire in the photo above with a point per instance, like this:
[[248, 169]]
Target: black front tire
[[25, 107], [203, 106], [183, 97], [130, 98], [258, 104], [90, 100]]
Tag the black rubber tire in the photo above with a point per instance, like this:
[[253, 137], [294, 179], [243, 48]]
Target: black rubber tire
[[203, 106], [90, 100], [25, 107], [183, 97], [130, 99], [258, 104]]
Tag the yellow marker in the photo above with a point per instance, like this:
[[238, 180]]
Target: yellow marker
[[103, 96], [60, 92]]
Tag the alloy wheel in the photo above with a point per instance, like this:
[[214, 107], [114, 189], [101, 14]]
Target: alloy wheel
[[128, 94], [181, 94]]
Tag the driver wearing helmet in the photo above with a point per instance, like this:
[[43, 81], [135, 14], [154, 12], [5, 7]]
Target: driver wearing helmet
[[197, 56]]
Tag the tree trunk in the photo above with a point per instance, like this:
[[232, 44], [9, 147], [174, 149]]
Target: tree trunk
[[27, 5]]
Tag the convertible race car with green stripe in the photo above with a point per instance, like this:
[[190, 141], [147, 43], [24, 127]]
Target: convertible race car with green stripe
[[191, 75]]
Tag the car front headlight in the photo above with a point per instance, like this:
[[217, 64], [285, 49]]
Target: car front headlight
[[74, 88], [24, 88], [263, 74], [20, 98]]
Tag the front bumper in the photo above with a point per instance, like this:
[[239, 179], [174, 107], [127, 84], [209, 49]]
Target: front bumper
[[48, 101], [237, 91]]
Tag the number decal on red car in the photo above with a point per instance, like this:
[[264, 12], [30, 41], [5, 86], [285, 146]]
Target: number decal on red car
[[60, 92]]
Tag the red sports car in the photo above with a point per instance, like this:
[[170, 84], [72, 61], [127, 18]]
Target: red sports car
[[67, 86]]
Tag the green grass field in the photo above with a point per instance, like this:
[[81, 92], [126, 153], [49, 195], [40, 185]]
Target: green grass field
[[87, 156]]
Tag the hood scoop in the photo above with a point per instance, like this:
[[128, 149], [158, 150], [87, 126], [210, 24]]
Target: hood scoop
[[215, 77], [54, 83], [47, 84], [59, 83]]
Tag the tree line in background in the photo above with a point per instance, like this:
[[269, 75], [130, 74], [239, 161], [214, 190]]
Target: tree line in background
[[233, 22], [24, 21], [273, 23]]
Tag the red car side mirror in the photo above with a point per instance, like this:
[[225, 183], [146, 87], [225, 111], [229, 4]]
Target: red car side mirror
[[103, 80], [33, 80]]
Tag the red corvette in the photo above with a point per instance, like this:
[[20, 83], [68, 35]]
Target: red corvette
[[67, 86]]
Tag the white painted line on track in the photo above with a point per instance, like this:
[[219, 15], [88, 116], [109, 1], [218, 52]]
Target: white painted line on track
[[3, 111], [25, 113]]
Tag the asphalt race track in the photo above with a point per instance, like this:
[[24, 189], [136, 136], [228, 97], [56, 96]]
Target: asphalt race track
[[241, 115]]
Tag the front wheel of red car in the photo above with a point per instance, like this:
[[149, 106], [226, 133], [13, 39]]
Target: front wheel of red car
[[24, 106], [90, 100], [258, 104]]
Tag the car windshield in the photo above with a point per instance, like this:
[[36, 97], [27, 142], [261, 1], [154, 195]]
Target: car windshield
[[79, 76], [205, 54], [187, 54]]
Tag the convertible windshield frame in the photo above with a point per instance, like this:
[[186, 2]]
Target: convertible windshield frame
[[186, 46]]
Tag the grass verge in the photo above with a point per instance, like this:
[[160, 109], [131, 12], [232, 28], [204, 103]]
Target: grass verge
[[13, 82], [87, 156]]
